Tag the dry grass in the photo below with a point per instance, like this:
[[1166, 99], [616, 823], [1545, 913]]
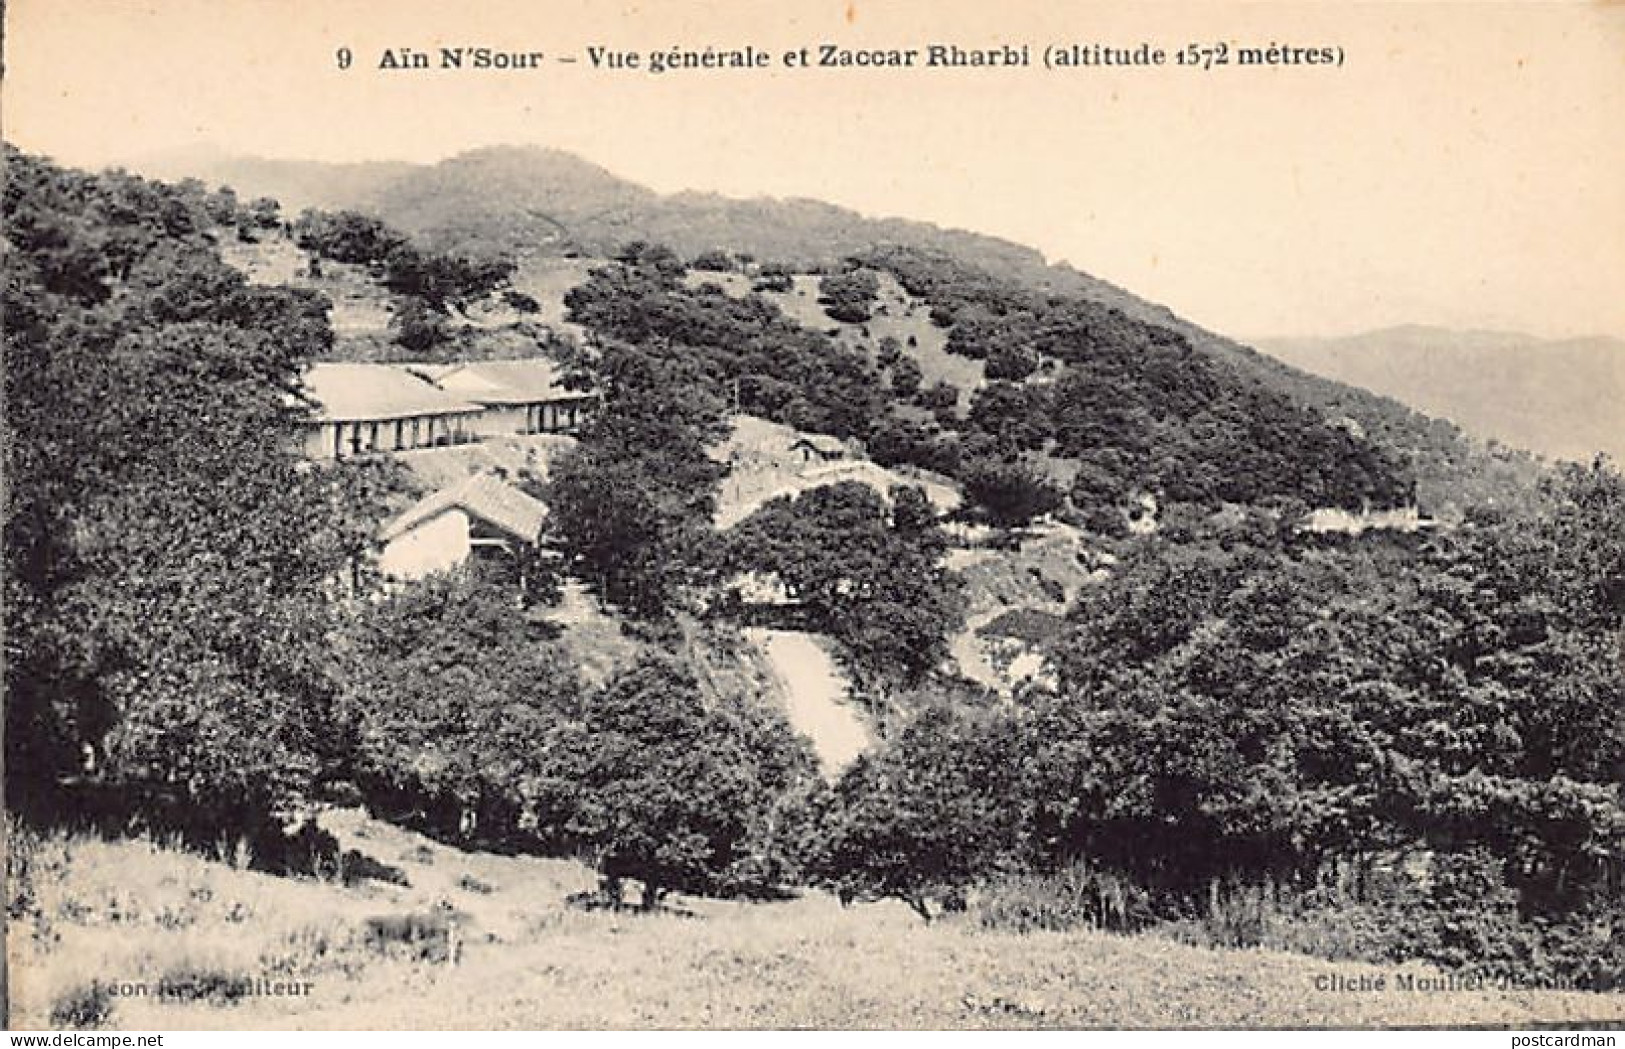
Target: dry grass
[[548, 281], [762, 466], [896, 313], [531, 962], [360, 305]]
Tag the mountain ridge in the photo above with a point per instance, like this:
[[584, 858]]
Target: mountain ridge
[[1564, 398]]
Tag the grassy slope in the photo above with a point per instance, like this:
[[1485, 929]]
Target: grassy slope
[[131, 911], [896, 313]]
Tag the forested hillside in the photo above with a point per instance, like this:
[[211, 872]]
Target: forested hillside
[[168, 562], [196, 641], [530, 204]]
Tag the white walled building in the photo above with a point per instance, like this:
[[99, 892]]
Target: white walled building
[[361, 408], [518, 396], [483, 516]]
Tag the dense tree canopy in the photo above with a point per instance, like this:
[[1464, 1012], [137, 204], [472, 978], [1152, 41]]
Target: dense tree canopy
[[170, 559], [1148, 411], [867, 572], [751, 356], [451, 694], [1237, 705], [850, 296], [633, 503], [656, 783], [927, 817]]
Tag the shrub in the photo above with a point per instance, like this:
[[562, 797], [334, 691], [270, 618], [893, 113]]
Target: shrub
[[188, 981], [774, 276], [521, 302], [419, 854], [938, 395], [469, 883], [1586, 950], [848, 297], [424, 936], [1262, 916], [1078, 896], [906, 377], [310, 947], [355, 867], [714, 261], [82, 1005], [1012, 363], [1471, 917]]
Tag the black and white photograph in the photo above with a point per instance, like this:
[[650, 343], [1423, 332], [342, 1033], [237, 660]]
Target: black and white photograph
[[822, 515]]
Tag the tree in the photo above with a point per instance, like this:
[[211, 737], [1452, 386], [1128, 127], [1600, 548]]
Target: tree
[[906, 377], [937, 809], [899, 441], [171, 562], [633, 503], [451, 693], [1008, 491], [443, 282], [1223, 696], [939, 396], [263, 213], [419, 328], [1013, 415], [848, 297], [656, 785], [868, 573], [1012, 363], [715, 260], [776, 277], [346, 236]]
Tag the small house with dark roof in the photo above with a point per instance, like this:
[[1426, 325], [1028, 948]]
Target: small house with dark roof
[[519, 396], [360, 408], [482, 517], [819, 448]]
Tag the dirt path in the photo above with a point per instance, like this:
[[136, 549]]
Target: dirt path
[[816, 694]]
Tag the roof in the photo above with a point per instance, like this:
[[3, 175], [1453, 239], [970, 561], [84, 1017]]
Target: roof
[[821, 442], [527, 381], [485, 496], [345, 392]]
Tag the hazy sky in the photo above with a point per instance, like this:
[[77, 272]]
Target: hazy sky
[[1465, 166]]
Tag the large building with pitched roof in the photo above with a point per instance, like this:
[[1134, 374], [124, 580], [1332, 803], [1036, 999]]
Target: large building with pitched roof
[[518, 396], [359, 408]]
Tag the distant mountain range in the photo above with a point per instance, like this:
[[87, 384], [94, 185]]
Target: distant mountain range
[[529, 202], [1563, 398]]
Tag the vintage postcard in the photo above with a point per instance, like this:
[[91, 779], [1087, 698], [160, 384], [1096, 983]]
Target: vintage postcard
[[823, 514]]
